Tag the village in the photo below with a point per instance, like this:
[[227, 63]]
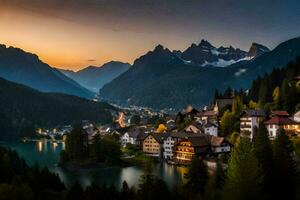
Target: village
[[178, 139]]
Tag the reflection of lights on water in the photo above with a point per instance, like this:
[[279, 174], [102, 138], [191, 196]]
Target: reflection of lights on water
[[54, 145], [63, 145], [40, 146], [182, 171]]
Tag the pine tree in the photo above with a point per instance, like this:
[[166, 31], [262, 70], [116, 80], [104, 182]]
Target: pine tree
[[237, 105], [215, 184], [228, 121], [197, 178], [285, 167], [244, 173], [276, 98], [263, 151]]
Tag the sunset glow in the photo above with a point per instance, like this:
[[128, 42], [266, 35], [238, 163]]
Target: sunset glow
[[74, 34]]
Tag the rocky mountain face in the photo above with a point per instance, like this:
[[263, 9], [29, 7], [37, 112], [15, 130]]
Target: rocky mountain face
[[22, 67], [205, 54], [94, 78], [162, 80], [257, 50]]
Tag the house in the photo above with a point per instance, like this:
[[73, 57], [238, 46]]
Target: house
[[194, 127], [132, 136], [249, 121], [281, 119], [153, 144], [219, 145], [190, 148], [210, 128], [222, 103], [209, 115], [169, 142]]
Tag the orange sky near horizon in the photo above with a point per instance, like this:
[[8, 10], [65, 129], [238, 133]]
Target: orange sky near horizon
[[69, 45], [78, 33], [61, 43]]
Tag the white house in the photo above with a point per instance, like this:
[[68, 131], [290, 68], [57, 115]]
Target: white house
[[210, 129], [219, 145], [281, 119], [168, 144], [126, 139], [132, 136], [249, 120]]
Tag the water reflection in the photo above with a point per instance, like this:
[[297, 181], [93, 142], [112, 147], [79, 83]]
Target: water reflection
[[46, 154], [40, 146]]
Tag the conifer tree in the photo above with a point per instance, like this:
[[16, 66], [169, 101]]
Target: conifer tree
[[244, 173], [215, 184], [285, 167], [197, 178], [263, 151]]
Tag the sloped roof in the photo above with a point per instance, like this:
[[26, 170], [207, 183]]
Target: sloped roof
[[297, 114], [209, 113], [216, 141], [281, 113], [196, 125], [159, 137], [253, 113], [209, 124], [199, 140], [134, 132], [280, 121]]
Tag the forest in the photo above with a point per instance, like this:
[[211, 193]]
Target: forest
[[24, 109]]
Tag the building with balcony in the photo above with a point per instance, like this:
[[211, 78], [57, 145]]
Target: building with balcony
[[191, 147], [249, 121]]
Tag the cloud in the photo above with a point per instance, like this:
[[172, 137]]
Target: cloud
[[91, 60]]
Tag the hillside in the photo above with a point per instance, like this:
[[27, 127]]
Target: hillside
[[162, 80], [23, 109], [25, 68]]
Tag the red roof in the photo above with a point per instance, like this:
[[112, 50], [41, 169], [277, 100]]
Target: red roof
[[281, 113], [208, 113], [280, 121]]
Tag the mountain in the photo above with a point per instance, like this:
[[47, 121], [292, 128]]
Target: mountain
[[162, 80], [257, 50], [67, 72], [206, 54], [94, 78], [23, 109], [22, 67]]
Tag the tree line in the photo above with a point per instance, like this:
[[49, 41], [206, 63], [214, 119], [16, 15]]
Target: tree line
[[101, 149]]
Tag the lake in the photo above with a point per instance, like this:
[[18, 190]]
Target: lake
[[46, 154]]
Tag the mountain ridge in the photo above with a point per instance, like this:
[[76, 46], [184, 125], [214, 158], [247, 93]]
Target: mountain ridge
[[26, 68], [161, 80], [93, 77]]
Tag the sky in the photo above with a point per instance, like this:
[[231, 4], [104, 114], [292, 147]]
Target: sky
[[73, 34]]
